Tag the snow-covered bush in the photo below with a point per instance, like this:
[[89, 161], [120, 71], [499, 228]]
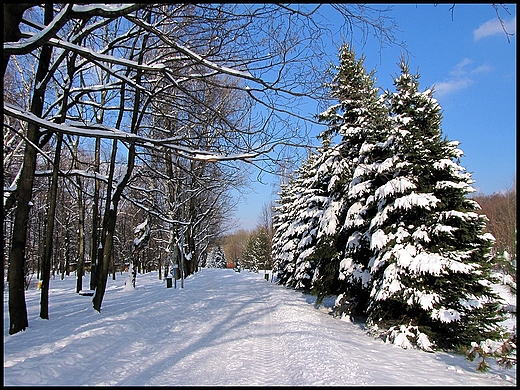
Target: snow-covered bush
[[406, 337], [504, 352]]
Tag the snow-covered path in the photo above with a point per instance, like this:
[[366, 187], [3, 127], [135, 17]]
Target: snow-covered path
[[222, 328]]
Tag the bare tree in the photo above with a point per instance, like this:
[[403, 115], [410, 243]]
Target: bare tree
[[80, 268], [264, 53], [17, 307], [500, 209]]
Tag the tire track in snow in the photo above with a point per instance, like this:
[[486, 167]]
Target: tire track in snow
[[235, 346], [280, 347], [265, 347]]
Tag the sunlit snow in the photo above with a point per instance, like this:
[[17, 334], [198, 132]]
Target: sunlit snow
[[224, 328], [397, 185], [406, 202]]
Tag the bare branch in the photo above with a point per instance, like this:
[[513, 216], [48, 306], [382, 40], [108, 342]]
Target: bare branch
[[508, 34]]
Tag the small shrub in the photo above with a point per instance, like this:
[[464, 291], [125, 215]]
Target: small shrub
[[503, 351]]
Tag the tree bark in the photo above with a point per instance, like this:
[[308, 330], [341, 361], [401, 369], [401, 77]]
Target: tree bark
[[94, 249], [107, 236], [47, 251], [109, 224], [17, 308], [13, 14], [80, 267], [112, 202]]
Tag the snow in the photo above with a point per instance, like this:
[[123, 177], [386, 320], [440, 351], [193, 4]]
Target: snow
[[446, 315], [415, 199], [42, 34], [378, 239], [329, 220], [394, 186], [222, 328], [103, 131]]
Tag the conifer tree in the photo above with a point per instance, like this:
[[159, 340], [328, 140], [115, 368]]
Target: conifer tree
[[249, 260], [431, 258], [360, 118], [307, 239], [318, 212], [291, 229], [257, 253], [406, 248], [216, 258], [283, 241], [331, 167]]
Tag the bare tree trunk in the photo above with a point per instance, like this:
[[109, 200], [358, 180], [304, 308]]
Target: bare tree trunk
[[66, 266], [81, 227], [135, 265], [17, 308], [94, 250], [113, 269], [192, 264], [51, 216], [107, 236], [112, 202], [47, 251], [13, 14], [109, 224], [182, 260]]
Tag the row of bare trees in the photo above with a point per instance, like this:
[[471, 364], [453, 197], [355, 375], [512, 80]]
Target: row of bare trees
[[500, 209], [126, 125]]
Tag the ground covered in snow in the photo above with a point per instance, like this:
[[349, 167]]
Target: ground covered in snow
[[222, 328]]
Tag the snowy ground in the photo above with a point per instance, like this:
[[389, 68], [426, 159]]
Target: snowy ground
[[222, 328]]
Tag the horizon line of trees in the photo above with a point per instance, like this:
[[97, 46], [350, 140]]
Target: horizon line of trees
[[499, 208]]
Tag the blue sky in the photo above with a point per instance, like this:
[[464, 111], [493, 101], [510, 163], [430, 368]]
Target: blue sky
[[468, 59]]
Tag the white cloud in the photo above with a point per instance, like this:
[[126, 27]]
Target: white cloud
[[482, 69], [446, 87], [494, 27], [460, 69], [464, 69], [460, 77]]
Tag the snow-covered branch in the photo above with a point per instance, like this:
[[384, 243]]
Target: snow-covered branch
[[94, 130]]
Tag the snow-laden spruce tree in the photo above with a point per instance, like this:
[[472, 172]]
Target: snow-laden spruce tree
[[292, 235], [331, 168], [430, 256], [310, 243], [307, 221], [283, 243], [360, 118], [411, 256], [257, 253], [216, 258]]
